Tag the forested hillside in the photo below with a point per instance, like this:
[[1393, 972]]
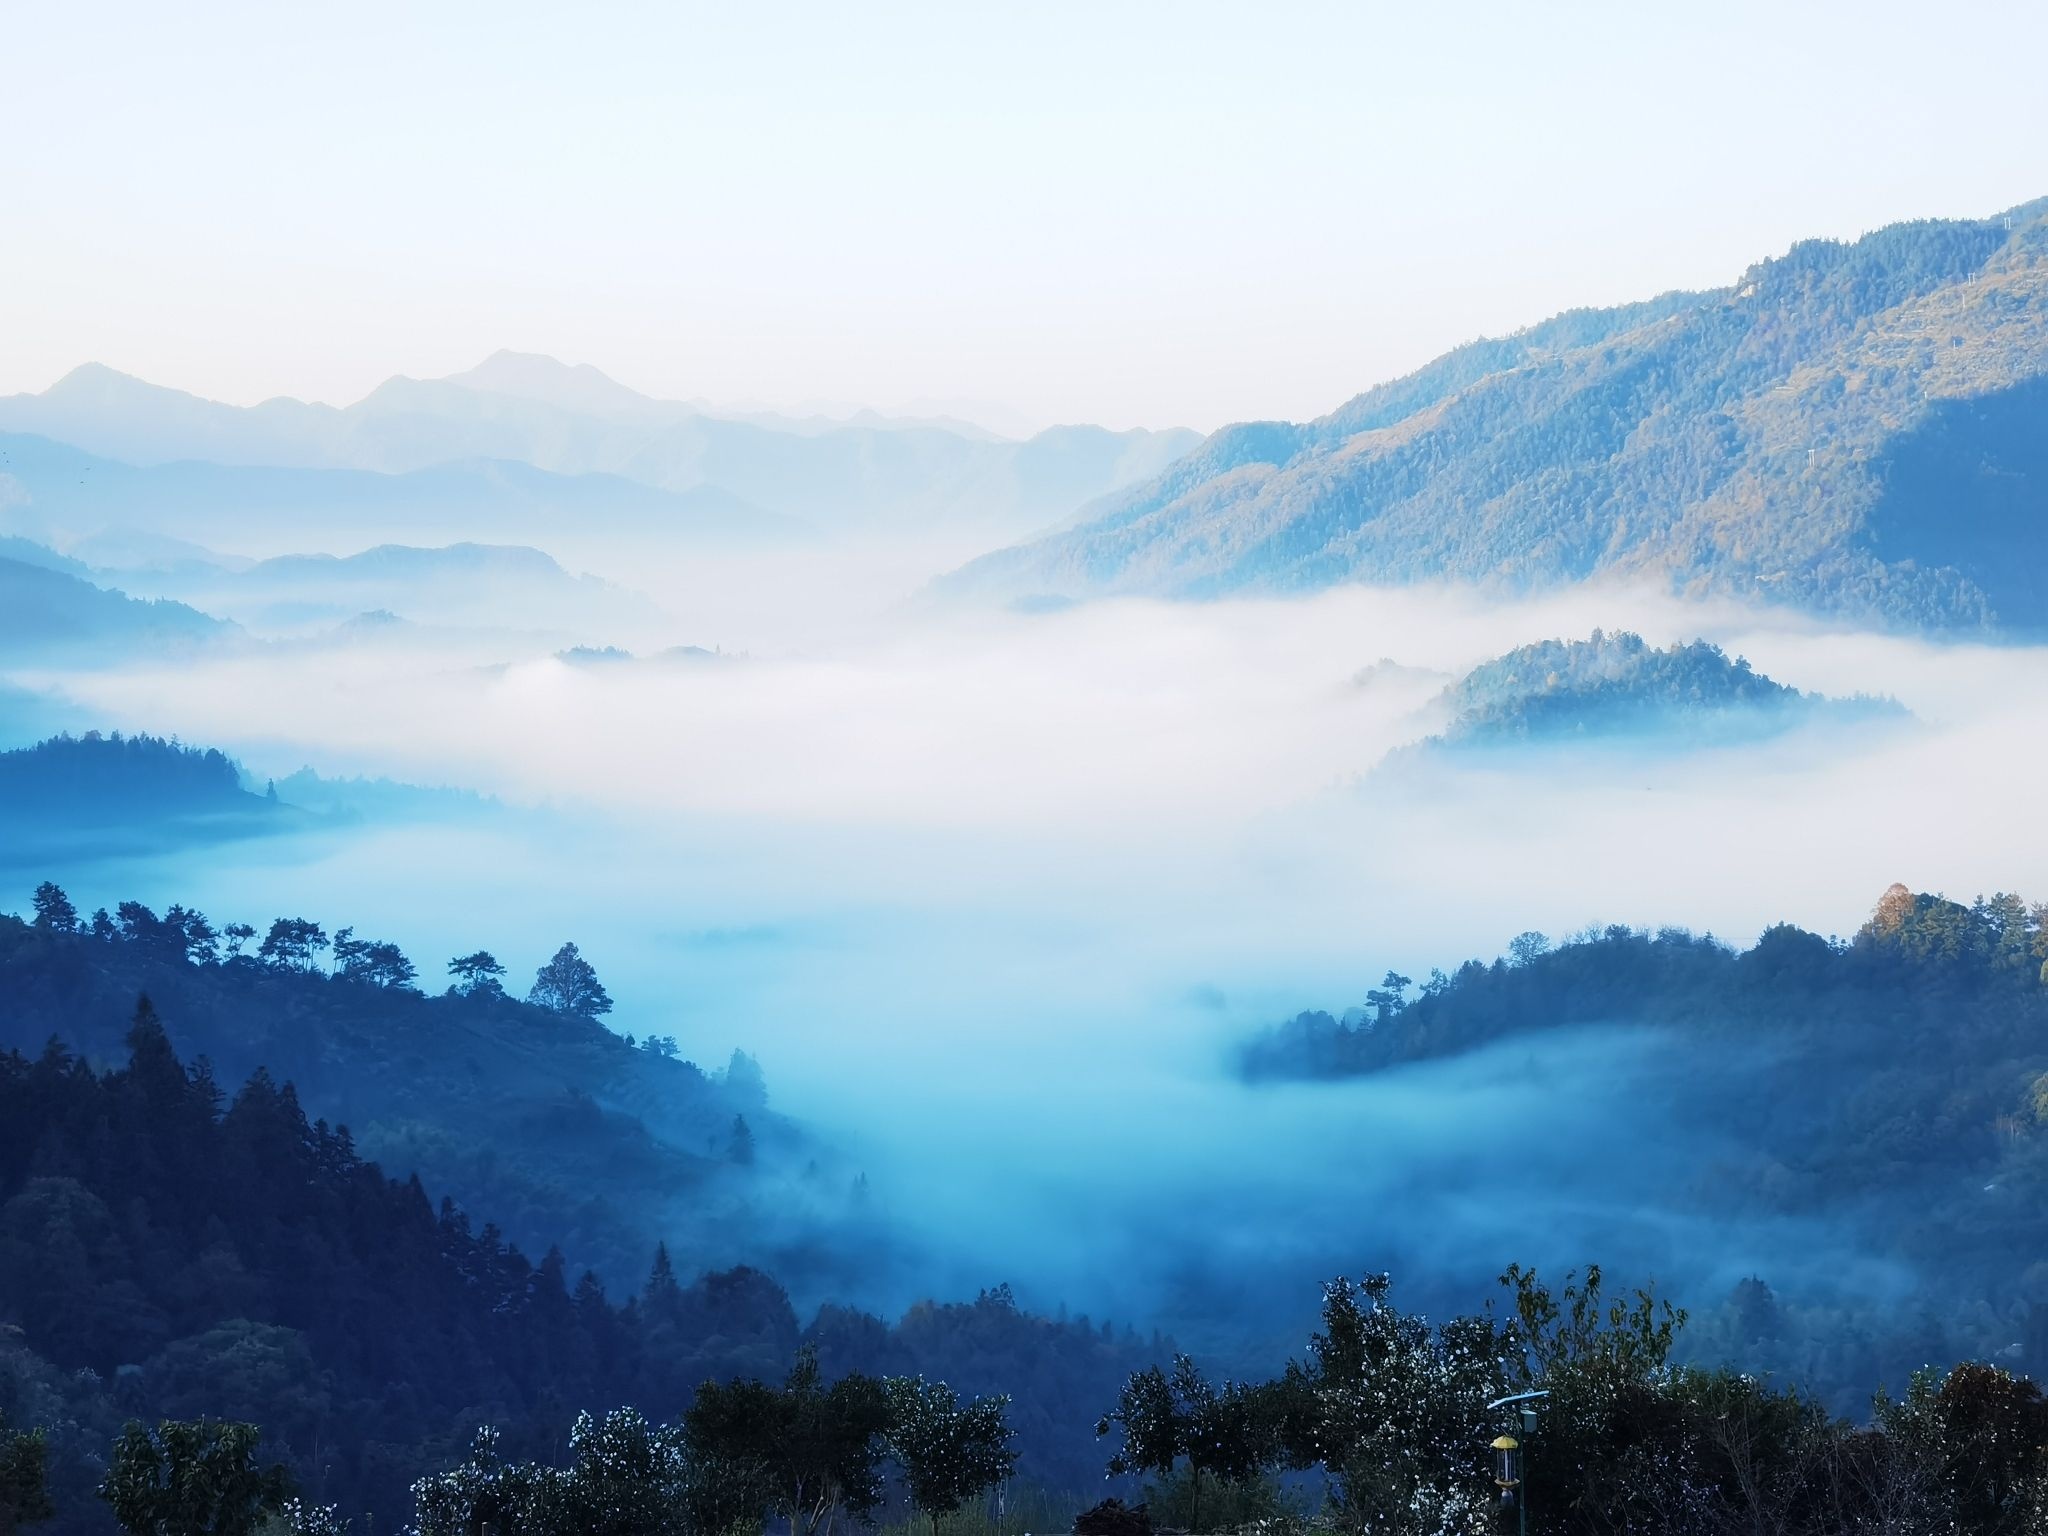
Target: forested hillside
[[1853, 428], [170, 1249], [534, 1111], [71, 796], [1617, 686], [1886, 1095]]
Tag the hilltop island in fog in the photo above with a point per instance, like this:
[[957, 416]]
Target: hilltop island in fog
[[1618, 688]]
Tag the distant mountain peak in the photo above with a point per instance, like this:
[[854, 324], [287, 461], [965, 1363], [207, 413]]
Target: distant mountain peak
[[97, 380], [550, 381]]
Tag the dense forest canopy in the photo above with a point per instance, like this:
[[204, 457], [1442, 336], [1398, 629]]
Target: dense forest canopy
[[1887, 1095], [1618, 685], [171, 1249], [173, 1252], [515, 1101], [95, 776]]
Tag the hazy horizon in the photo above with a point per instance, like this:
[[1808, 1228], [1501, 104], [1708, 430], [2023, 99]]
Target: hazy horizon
[[1111, 222]]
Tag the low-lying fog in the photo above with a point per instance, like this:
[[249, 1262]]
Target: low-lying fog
[[991, 895]]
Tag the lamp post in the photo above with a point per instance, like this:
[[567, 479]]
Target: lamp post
[[1508, 1470]]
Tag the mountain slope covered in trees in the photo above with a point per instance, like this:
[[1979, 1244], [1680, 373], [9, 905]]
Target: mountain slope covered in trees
[[1854, 428], [1619, 687], [168, 1250], [566, 1132], [93, 795], [1885, 1097]]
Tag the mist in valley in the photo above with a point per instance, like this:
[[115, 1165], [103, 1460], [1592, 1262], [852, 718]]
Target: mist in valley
[[993, 897]]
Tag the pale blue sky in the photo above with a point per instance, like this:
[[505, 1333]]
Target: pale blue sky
[[1138, 214]]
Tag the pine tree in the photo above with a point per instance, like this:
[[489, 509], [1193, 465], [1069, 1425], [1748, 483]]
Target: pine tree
[[54, 912]]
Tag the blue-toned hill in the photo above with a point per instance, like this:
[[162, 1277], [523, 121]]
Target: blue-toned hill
[[1855, 428], [1619, 687]]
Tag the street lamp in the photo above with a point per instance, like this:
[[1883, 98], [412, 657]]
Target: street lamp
[[1508, 1472]]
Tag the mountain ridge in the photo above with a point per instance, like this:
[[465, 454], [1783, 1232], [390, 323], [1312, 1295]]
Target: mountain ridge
[[1742, 441], [556, 418]]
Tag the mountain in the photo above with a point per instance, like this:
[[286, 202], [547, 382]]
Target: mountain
[[88, 796], [571, 387], [1865, 1119], [574, 421], [48, 614], [166, 1249], [485, 585], [1859, 429], [66, 493], [1619, 687], [564, 1130]]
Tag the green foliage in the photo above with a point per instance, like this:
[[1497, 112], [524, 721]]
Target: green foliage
[[191, 1478], [24, 1478], [54, 911], [293, 944], [94, 778], [298, 1518], [1231, 1434], [1178, 1502], [947, 1451], [568, 984], [371, 962], [484, 1490], [1391, 1408], [1971, 1448], [807, 1452], [161, 1255], [478, 974], [1615, 685]]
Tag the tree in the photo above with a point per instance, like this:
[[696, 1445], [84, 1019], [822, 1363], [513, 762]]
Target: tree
[[739, 1146], [1166, 1418], [948, 1451], [1392, 1409], [1973, 1446], [744, 1080], [237, 935], [731, 1431], [189, 935], [804, 1451], [483, 1493], [1614, 1427], [137, 924], [626, 1477], [477, 975], [54, 912], [191, 1478], [371, 962], [830, 1448], [662, 1294], [24, 1478], [297, 1518], [1387, 998], [292, 944], [568, 984], [1526, 948]]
